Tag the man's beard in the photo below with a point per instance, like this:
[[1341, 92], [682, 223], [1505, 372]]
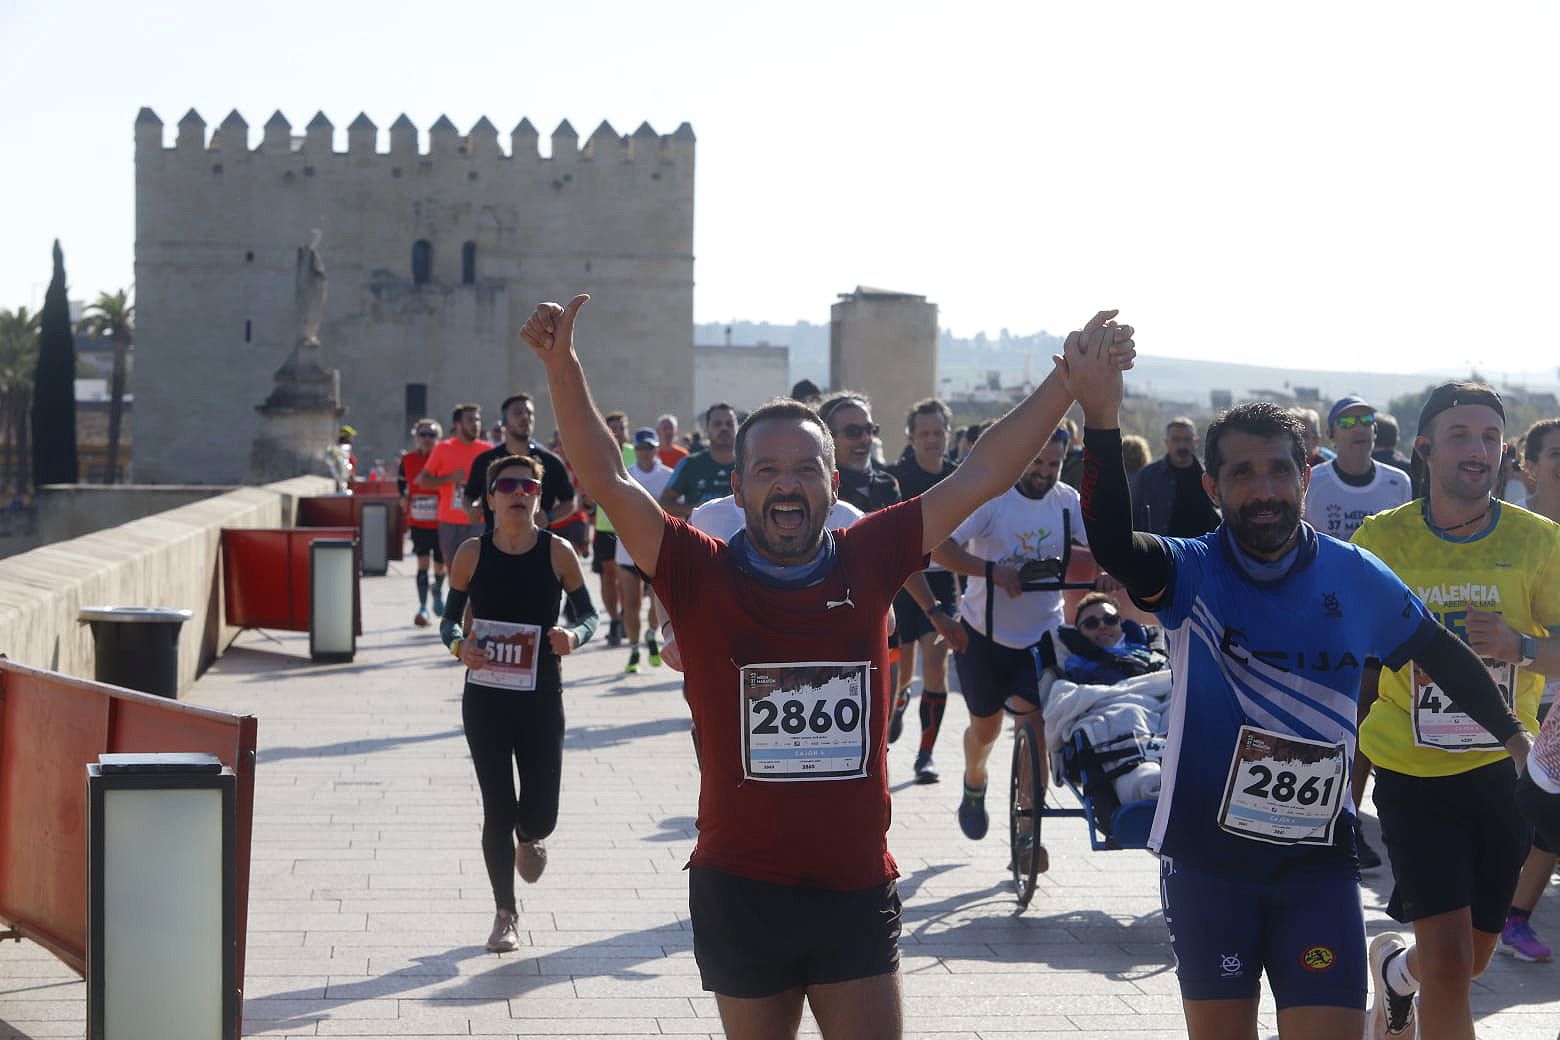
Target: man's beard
[[1036, 487], [789, 547], [1455, 485], [1263, 537]]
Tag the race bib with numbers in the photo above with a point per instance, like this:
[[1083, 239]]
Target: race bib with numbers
[[425, 507], [1283, 789], [512, 651], [807, 720], [1437, 724]]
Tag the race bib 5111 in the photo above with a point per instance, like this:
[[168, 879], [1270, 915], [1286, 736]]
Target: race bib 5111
[[512, 650]]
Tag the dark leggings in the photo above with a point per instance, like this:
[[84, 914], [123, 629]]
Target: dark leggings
[[525, 729]]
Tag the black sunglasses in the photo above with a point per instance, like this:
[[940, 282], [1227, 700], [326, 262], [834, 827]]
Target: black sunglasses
[[852, 431], [1108, 617]]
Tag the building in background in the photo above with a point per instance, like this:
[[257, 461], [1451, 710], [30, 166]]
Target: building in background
[[742, 376], [884, 344], [434, 258]]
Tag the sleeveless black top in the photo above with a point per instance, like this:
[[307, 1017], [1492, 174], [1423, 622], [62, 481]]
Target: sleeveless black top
[[521, 589]]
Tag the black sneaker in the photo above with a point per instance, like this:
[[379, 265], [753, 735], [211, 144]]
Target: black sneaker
[[896, 721], [973, 820], [1369, 858], [925, 771], [615, 633]]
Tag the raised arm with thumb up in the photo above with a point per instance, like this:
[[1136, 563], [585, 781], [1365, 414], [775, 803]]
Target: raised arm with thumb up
[[592, 450]]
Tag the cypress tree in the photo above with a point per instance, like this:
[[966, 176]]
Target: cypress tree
[[54, 388]]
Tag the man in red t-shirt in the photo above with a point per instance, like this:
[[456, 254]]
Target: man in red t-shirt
[[791, 886], [421, 508], [446, 470]]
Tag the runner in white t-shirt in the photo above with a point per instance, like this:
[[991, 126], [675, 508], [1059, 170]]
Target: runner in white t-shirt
[[653, 475], [1340, 495], [1352, 486], [1036, 519]]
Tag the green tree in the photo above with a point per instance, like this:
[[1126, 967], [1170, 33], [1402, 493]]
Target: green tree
[[113, 315], [18, 360], [54, 387]]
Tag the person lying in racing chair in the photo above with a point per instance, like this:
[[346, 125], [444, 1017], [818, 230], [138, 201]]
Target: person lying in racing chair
[[1102, 648]]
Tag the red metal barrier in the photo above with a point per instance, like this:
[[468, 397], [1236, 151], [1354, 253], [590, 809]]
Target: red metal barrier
[[347, 511], [51, 727], [265, 576], [376, 487]]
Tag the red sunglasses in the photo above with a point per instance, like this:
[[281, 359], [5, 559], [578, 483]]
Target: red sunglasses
[[509, 485]]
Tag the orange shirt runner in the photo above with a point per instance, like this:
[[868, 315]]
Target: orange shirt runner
[[449, 455]]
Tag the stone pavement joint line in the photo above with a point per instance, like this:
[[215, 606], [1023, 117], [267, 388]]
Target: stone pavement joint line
[[369, 903]]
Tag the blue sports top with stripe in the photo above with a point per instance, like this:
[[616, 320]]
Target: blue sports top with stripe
[[1284, 655]]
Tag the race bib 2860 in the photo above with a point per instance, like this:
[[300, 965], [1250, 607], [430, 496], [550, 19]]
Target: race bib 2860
[[806, 720]]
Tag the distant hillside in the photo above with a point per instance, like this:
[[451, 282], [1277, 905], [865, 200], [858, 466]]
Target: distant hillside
[[964, 364]]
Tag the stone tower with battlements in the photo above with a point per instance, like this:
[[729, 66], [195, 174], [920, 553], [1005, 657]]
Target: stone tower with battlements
[[435, 259], [884, 343]]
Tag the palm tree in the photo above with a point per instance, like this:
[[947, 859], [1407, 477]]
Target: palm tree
[[18, 359], [113, 315]]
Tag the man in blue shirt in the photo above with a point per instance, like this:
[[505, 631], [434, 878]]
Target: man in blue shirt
[[1270, 626]]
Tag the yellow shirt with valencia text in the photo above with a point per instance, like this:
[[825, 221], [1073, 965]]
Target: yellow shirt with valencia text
[[1511, 568]]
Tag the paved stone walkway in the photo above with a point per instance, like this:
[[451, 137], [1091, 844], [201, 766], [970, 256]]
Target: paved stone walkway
[[369, 904]]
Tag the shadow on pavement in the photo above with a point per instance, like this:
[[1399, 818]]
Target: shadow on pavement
[[624, 950], [266, 756], [588, 738]]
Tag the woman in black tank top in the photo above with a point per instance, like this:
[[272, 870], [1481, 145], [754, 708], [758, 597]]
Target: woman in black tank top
[[501, 620]]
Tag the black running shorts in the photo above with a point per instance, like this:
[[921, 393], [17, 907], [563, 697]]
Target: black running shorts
[[602, 549], [756, 938], [990, 673], [910, 620], [1542, 810], [425, 542], [1454, 841]]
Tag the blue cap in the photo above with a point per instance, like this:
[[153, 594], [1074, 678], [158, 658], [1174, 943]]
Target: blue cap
[[645, 435], [1343, 404]]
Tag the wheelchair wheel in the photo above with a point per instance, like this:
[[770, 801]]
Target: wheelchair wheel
[[1026, 796]]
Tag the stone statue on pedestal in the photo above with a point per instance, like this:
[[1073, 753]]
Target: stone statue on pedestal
[[304, 409]]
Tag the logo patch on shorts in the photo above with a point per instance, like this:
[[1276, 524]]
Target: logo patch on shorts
[[1318, 958], [1229, 966]]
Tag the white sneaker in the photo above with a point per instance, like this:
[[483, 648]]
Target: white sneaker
[[1391, 1016], [505, 935]]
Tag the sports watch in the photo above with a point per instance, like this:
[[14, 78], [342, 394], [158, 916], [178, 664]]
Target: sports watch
[[1527, 650]]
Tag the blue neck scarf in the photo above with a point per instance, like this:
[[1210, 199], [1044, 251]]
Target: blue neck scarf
[[1266, 572], [796, 576]]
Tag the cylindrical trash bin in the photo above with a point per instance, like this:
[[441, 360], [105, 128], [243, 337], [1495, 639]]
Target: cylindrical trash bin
[[137, 647]]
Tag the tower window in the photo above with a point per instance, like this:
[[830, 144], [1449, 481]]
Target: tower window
[[422, 262], [468, 263]]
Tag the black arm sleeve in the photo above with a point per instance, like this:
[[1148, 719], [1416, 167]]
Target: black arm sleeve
[[1458, 671], [454, 615], [1135, 559], [585, 617], [400, 475]]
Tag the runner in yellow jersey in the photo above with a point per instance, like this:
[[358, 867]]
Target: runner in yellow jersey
[[1445, 788]]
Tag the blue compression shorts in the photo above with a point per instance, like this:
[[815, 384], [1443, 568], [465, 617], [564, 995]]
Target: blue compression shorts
[[1305, 930]]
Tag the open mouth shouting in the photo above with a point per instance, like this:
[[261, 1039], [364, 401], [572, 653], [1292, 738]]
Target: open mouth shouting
[[788, 516]]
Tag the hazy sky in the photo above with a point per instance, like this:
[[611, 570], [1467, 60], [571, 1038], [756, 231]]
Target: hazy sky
[[1335, 184]]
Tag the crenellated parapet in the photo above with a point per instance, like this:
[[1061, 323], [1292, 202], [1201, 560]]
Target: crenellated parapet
[[445, 141]]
